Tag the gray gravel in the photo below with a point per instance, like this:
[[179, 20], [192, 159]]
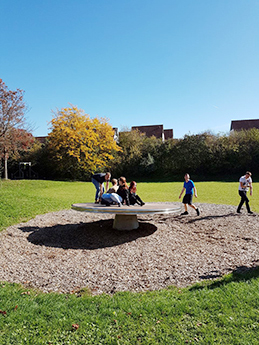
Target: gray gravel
[[68, 250]]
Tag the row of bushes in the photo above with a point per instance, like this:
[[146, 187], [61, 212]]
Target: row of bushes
[[204, 155]]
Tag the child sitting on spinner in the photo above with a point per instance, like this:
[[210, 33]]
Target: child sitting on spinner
[[111, 195], [133, 197]]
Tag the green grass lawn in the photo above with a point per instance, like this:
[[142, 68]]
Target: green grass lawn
[[221, 312], [208, 192], [21, 200]]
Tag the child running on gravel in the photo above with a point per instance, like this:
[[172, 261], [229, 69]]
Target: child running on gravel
[[245, 183], [189, 188]]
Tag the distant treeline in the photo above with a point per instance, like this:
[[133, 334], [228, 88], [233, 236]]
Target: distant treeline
[[204, 155]]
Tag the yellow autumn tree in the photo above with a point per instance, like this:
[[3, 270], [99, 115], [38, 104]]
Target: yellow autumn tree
[[80, 144]]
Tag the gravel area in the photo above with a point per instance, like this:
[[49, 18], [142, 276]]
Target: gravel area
[[68, 250]]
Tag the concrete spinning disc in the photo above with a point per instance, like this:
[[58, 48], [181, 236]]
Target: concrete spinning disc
[[126, 216]]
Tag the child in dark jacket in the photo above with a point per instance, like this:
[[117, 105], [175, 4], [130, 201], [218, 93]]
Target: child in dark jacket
[[133, 197], [123, 191]]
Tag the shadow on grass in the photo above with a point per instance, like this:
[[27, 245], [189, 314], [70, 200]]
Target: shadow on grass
[[93, 235], [241, 273]]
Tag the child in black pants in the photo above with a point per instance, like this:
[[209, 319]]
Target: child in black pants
[[133, 197]]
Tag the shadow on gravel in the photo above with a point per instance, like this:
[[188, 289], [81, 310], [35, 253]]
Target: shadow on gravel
[[214, 217], [241, 273], [94, 235]]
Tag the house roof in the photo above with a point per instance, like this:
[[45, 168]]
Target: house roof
[[238, 125], [169, 134], [42, 140], [156, 130]]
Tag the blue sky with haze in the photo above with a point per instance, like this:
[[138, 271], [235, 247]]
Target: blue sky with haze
[[190, 65]]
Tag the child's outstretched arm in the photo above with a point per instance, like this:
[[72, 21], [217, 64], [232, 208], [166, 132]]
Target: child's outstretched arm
[[181, 193]]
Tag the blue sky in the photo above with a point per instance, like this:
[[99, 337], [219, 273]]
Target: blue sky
[[191, 65]]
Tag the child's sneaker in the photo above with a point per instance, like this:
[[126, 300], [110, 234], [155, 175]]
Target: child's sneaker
[[184, 213], [198, 211]]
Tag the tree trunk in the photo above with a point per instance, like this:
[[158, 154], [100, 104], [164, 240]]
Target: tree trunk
[[5, 167]]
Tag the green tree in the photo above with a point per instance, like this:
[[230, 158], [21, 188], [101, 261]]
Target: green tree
[[138, 154]]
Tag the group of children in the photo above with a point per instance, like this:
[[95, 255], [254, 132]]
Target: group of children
[[120, 193]]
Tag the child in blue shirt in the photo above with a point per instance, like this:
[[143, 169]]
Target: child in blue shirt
[[189, 188]]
